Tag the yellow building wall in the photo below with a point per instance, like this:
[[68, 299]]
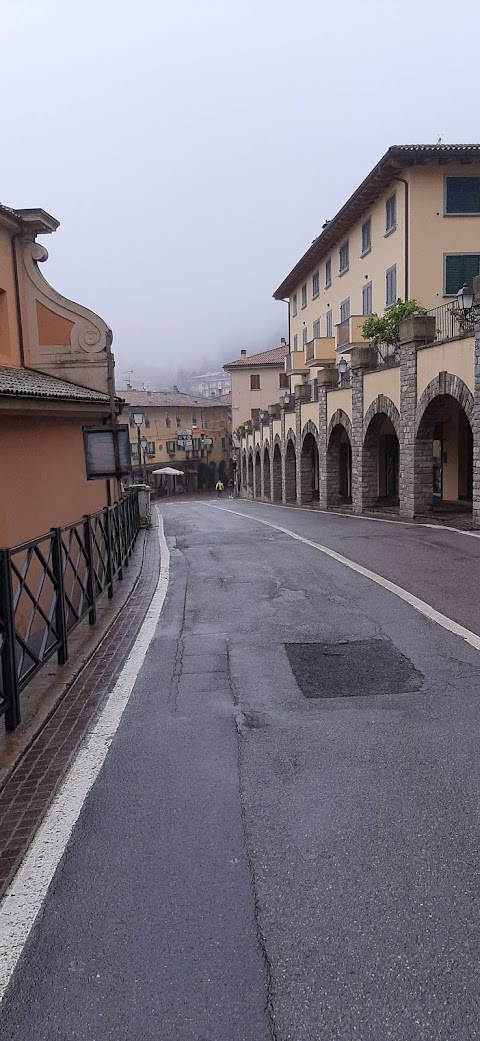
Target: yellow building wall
[[339, 399], [456, 357], [310, 412], [214, 422], [384, 381], [386, 250], [432, 234], [244, 399], [42, 474], [277, 428]]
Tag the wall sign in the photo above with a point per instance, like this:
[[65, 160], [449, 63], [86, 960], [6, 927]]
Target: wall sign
[[100, 454]]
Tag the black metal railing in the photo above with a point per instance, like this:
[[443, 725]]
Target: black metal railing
[[451, 322], [49, 584]]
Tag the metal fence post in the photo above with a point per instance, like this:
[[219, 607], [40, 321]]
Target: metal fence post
[[9, 668], [118, 528], [108, 542], [92, 614], [60, 618]]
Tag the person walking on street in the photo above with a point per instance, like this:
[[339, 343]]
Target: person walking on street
[[231, 486], [219, 486]]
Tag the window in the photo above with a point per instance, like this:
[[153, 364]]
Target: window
[[345, 310], [460, 269], [134, 448], [151, 448], [171, 447], [255, 382], [328, 272], [315, 284], [344, 257], [196, 444], [179, 421], [283, 380], [316, 329], [391, 286], [304, 295], [167, 420], [367, 299], [223, 443], [366, 236], [294, 304], [391, 212], [462, 195], [194, 419], [295, 342], [329, 323], [304, 335]]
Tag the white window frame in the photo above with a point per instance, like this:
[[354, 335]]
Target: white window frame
[[316, 329], [344, 246], [390, 227]]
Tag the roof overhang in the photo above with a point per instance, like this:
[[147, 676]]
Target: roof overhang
[[397, 159]]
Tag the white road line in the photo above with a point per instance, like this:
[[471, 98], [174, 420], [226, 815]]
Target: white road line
[[362, 517], [25, 895], [403, 594]]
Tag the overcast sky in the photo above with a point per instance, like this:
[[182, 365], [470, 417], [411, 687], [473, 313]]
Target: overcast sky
[[192, 149]]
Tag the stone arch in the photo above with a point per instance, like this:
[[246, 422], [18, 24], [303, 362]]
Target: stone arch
[[309, 463], [342, 419], [277, 470], [382, 406], [445, 384], [381, 453], [266, 470], [443, 455], [290, 463], [339, 459]]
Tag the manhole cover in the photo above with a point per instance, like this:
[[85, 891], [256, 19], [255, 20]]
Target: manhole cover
[[351, 669]]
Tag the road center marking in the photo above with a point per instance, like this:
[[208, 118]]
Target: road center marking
[[414, 601], [26, 893]]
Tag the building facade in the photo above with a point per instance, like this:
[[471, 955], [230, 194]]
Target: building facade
[[400, 430], [257, 380], [56, 377], [211, 384], [192, 434], [410, 230]]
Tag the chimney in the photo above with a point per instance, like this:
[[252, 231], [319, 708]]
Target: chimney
[[243, 354], [175, 389]]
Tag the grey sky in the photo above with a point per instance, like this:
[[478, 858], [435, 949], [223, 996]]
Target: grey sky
[[192, 150]]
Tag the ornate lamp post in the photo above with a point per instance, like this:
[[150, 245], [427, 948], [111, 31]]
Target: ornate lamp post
[[138, 418]]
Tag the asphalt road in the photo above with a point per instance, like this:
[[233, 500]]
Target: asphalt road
[[255, 862]]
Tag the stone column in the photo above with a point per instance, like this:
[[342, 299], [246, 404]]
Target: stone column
[[327, 378], [299, 397], [414, 332], [360, 362], [282, 437], [476, 406]]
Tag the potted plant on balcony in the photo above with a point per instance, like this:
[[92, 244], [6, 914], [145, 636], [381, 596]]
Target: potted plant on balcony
[[383, 331]]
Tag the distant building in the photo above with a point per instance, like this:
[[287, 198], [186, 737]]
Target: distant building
[[257, 382], [212, 384], [192, 434]]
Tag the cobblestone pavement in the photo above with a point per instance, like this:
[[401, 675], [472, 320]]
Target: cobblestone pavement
[[31, 787]]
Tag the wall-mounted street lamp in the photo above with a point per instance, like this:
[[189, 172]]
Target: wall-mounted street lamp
[[342, 369], [465, 299]]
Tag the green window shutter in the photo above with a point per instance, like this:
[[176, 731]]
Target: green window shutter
[[460, 269], [463, 195]]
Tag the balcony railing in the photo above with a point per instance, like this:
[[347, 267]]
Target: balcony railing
[[320, 350], [451, 323], [349, 332], [48, 584], [295, 363]]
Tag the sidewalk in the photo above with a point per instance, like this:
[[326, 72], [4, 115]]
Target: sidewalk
[[60, 704]]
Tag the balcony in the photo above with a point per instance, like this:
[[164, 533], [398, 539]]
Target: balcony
[[349, 333], [320, 351], [295, 364]]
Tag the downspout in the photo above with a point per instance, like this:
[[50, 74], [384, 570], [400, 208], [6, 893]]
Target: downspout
[[406, 214], [18, 305]]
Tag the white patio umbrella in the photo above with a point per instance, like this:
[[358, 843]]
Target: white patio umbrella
[[170, 474]]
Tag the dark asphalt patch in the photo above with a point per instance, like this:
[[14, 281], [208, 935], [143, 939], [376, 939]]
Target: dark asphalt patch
[[354, 668]]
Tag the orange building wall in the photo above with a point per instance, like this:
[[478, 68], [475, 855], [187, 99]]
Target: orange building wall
[[42, 476], [9, 344]]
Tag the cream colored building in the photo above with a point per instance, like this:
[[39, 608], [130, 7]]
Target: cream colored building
[[257, 380], [410, 230]]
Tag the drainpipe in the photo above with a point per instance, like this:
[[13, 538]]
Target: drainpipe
[[406, 210], [18, 305]]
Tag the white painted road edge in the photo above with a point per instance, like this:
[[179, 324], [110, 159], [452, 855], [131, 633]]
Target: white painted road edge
[[403, 594], [24, 897]]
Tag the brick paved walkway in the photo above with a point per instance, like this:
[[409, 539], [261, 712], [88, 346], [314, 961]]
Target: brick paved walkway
[[30, 789]]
